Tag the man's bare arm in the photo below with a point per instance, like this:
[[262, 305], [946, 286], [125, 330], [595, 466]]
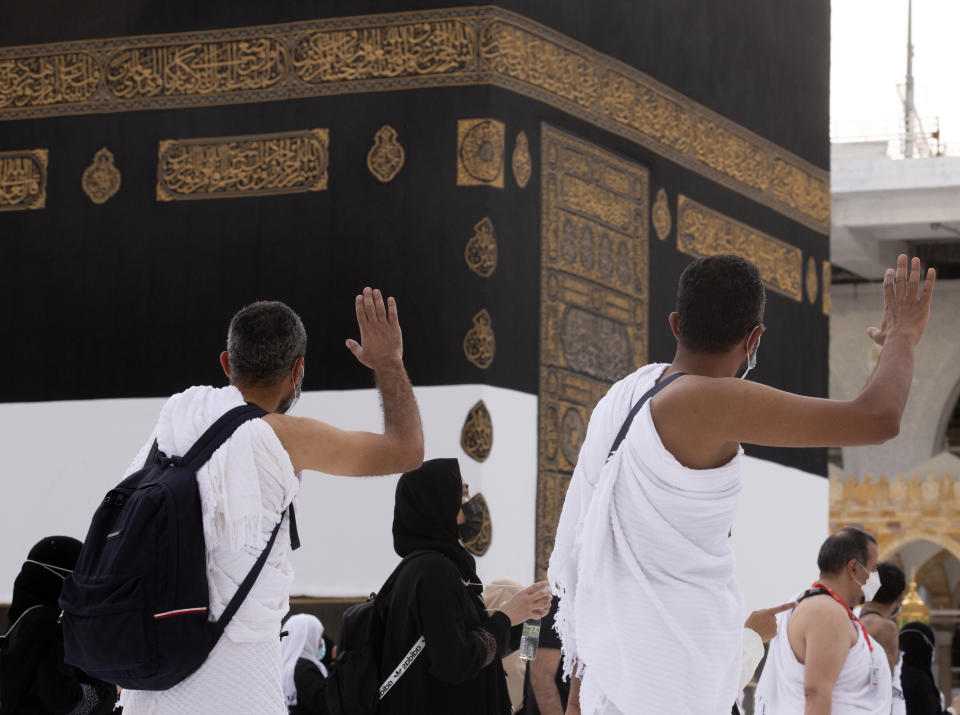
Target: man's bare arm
[[734, 411], [315, 445], [825, 633], [543, 680]]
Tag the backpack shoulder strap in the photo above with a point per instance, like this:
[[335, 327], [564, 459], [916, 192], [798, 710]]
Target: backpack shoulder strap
[[622, 434], [218, 433], [246, 585]]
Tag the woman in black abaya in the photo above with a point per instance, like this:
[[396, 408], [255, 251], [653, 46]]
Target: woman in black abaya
[[436, 594], [34, 679], [919, 689]]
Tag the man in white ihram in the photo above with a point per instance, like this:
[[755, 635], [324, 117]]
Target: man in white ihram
[[255, 475], [650, 614], [823, 660]]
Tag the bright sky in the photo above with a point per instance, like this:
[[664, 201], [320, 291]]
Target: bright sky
[[869, 61]]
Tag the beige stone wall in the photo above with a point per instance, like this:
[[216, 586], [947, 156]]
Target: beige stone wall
[[936, 377]]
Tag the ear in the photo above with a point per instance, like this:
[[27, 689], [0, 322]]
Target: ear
[[674, 320], [852, 565], [753, 339], [225, 363], [298, 370]]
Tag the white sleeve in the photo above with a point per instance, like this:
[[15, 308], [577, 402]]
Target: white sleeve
[[752, 655]]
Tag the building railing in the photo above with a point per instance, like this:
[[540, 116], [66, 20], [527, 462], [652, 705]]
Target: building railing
[[926, 138]]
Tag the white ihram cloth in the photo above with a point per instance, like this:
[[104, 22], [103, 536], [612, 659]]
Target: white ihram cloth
[[304, 632], [863, 687], [642, 563], [244, 488]]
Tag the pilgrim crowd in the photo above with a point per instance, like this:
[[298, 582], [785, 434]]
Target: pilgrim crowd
[[641, 612]]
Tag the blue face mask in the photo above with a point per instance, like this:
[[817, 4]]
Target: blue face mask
[[751, 359], [322, 650]]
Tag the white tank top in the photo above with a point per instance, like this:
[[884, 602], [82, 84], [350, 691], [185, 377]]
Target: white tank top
[[863, 687]]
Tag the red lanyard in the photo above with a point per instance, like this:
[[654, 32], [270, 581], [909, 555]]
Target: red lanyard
[[835, 597]]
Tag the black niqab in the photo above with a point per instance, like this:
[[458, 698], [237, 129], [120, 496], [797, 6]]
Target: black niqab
[[916, 642], [425, 515], [37, 586]]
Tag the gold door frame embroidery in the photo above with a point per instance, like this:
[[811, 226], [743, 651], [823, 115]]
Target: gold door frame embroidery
[[594, 302]]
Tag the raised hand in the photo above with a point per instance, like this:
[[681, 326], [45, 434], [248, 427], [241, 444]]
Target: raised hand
[[905, 309], [381, 341]]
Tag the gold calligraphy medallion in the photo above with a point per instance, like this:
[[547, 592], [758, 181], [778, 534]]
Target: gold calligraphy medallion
[[386, 156], [521, 163], [480, 543], [476, 437], [480, 148], [23, 179], [101, 180], [481, 253], [662, 222], [479, 345]]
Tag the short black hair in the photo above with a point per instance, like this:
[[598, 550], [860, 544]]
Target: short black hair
[[851, 542], [720, 299], [892, 583], [264, 341]]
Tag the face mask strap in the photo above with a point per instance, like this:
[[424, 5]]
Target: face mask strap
[[51, 568], [752, 359], [922, 635]]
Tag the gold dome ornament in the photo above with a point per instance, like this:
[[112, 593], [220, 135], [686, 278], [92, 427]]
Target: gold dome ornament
[[386, 156], [913, 608], [101, 180]]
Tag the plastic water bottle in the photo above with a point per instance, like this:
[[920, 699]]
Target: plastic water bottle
[[530, 640]]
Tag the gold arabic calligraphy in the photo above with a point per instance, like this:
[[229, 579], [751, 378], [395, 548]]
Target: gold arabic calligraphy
[[461, 46], [242, 166], [387, 51], [196, 69], [23, 179], [704, 232]]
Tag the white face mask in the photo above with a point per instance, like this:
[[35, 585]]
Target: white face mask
[[55, 570], [871, 585]]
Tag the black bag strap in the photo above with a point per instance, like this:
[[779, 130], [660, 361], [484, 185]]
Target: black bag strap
[[246, 585], [218, 433], [622, 434]]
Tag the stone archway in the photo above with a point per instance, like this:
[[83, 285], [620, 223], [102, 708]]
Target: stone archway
[[891, 546]]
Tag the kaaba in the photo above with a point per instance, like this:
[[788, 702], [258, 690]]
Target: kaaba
[[528, 179]]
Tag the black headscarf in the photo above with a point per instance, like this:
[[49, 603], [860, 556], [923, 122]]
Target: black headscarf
[[39, 586], [917, 643], [425, 515]]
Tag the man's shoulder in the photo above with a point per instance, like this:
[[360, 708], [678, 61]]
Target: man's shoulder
[[820, 608], [880, 627]]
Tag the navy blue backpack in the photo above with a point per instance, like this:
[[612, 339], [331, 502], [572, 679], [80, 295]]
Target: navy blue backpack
[[135, 607]]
